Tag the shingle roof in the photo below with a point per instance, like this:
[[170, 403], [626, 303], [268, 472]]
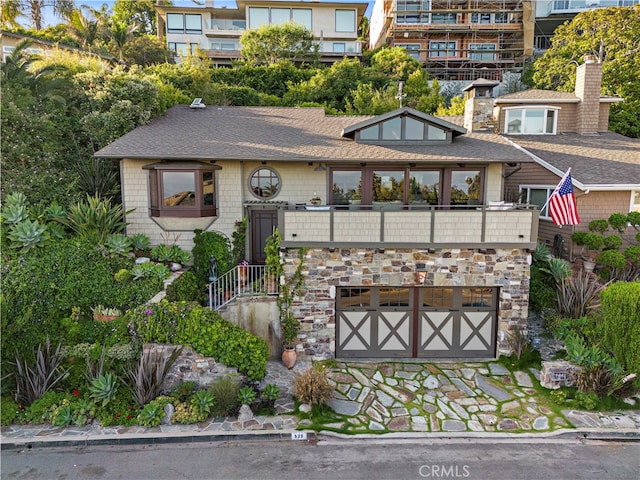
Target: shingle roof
[[595, 160], [287, 134], [535, 94]]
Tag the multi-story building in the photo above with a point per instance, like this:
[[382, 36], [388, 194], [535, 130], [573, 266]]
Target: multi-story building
[[217, 30], [457, 39], [552, 13]]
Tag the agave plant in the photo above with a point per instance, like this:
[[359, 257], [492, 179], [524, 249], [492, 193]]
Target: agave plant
[[14, 214], [202, 402], [140, 242], [246, 395], [103, 389], [151, 415], [118, 243], [55, 213], [27, 234], [271, 392], [94, 219]]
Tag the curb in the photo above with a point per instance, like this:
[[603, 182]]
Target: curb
[[154, 438], [159, 438]]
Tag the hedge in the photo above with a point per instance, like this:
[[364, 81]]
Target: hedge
[[204, 331]]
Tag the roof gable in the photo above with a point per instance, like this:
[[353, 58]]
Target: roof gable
[[450, 129]]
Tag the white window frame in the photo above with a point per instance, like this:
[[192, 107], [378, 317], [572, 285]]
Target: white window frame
[[524, 109], [544, 213], [353, 27]]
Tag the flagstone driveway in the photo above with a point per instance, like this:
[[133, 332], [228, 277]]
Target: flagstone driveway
[[439, 397]]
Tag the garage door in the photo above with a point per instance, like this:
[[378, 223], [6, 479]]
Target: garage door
[[416, 322]]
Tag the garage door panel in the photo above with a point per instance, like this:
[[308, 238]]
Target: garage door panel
[[436, 331], [476, 331], [394, 331], [354, 331]]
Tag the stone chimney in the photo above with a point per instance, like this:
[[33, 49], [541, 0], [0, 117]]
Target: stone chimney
[[478, 107], [588, 84]]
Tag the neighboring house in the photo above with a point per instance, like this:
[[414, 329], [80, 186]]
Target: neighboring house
[[217, 31], [412, 252], [9, 41], [550, 14], [570, 130], [457, 39]]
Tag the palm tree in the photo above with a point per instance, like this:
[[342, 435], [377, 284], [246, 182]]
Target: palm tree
[[87, 28], [32, 9], [120, 34]]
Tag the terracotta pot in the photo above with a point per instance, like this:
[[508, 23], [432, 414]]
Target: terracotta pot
[[105, 318], [289, 357]]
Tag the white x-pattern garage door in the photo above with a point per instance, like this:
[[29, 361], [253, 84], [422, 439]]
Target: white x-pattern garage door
[[416, 322]]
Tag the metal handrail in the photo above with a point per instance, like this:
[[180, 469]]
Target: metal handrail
[[241, 280]]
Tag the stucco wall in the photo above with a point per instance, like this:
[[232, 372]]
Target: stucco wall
[[324, 271]]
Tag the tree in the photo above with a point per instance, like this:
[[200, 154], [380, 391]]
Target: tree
[[271, 44], [613, 36], [145, 50], [140, 15], [32, 9], [394, 63]]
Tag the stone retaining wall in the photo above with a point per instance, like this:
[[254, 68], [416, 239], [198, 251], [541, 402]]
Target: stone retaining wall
[[191, 367], [324, 270]]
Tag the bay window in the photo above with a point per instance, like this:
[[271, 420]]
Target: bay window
[[182, 189]]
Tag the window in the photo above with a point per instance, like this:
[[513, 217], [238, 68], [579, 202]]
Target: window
[[536, 195], [259, 16], [339, 47], [635, 201], [224, 45], [442, 49], [531, 121], [184, 23], [181, 49], [443, 18], [413, 11], [264, 182], [413, 49], [403, 128], [182, 190], [345, 21], [477, 51], [367, 186]]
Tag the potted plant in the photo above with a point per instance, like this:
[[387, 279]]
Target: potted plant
[[104, 314], [315, 200], [595, 240], [243, 272]]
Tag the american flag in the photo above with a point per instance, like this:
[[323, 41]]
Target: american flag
[[562, 203]]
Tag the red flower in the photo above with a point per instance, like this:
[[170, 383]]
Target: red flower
[[129, 417], [76, 393]]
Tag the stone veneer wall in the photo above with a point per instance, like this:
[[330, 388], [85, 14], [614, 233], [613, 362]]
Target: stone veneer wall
[[324, 271]]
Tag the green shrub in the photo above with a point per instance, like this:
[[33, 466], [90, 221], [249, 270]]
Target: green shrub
[[43, 287], [184, 289], [8, 411], [558, 396], [542, 296], [207, 245], [204, 330], [621, 323], [93, 219], [123, 410]]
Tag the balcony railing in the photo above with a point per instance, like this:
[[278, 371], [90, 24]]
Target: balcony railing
[[383, 226], [225, 25]]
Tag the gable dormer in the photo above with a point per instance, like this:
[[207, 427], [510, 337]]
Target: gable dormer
[[404, 126]]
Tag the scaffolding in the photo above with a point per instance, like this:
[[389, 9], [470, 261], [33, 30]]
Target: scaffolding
[[462, 39]]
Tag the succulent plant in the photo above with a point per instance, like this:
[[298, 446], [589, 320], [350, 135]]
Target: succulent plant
[[271, 392], [246, 395], [55, 213], [140, 242], [27, 234], [202, 402], [103, 389], [118, 243], [13, 214], [151, 415]]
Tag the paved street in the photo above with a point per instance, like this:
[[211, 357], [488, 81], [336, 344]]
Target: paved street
[[332, 459]]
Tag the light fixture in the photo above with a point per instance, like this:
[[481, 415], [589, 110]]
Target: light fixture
[[319, 168], [264, 162]]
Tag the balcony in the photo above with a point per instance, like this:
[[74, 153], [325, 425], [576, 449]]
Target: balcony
[[493, 226], [225, 26]]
